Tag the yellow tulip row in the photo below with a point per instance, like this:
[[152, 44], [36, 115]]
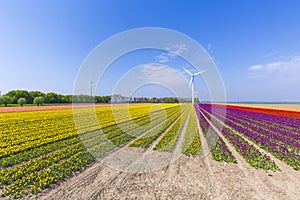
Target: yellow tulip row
[[42, 147], [168, 141], [152, 134], [191, 145]]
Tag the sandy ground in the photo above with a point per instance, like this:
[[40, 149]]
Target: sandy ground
[[187, 178], [290, 107], [177, 177]]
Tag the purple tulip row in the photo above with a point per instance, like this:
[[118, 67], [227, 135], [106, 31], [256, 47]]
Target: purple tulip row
[[281, 121], [291, 124], [219, 150], [278, 135], [267, 140], [252, 155], [269, 125], [267, 122], [281, 136]]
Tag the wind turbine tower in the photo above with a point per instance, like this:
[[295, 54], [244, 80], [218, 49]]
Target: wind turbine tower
[[192, 83]]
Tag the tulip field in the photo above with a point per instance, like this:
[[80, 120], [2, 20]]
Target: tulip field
[[40, 148], [277, 135]]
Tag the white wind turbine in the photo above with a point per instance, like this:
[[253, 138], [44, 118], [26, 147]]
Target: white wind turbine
[[192, 84]]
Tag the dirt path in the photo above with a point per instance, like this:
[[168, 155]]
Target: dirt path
[[189, 180], [205, 156]]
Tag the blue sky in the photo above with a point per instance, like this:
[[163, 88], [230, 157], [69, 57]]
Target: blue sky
[[255, 44]]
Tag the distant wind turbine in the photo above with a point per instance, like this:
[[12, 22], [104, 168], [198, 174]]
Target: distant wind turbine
[[192, 84]]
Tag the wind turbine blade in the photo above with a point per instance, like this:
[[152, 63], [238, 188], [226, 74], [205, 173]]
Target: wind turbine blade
[[188, 71], [199, 73], [191, 81]]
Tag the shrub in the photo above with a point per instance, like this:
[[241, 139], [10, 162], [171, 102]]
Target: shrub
[[22, 101], [39, 101], [5, 100]]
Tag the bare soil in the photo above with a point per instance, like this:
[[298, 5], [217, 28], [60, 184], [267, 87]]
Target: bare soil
[[187, 178]]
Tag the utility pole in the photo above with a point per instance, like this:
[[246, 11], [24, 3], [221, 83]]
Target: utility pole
[[91, 87]]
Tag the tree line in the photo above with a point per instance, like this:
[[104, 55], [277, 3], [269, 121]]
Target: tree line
[[37, 97]]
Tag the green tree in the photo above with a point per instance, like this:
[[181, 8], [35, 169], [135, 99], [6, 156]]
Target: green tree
[[17, 94], [106, 99], [166, 100], [6, 100], [34, 94], [66, 99], [98, 99], [60, 98], [51, 97], [153, 100], [22, 101], [39, 100]]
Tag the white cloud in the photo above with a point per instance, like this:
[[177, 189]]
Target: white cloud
[[209, 48], [255, 67], [176, 49], [156, 74], [289, 69], [162, 58], [173, 51], [271, 54], [162, 74]]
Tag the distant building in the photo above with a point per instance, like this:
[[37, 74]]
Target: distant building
[[117, 98]]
